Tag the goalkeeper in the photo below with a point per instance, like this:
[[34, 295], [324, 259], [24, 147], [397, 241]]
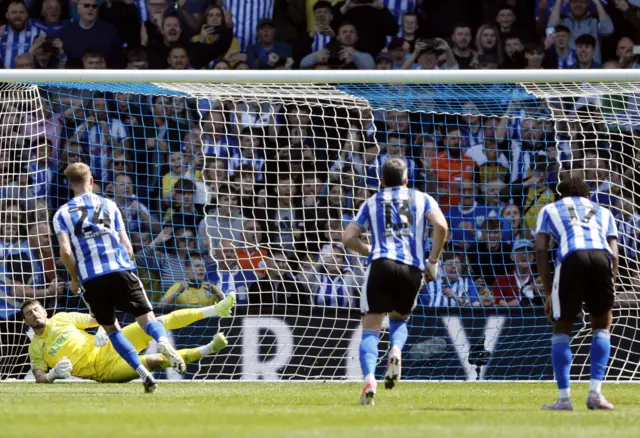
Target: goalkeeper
[[62, 348]]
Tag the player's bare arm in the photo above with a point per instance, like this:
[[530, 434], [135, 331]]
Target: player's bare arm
[[613, 243], [69, 261], [126, 242], [542, 260], [351, 239], [438, 239]]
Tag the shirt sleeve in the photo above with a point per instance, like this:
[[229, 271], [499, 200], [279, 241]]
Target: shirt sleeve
[[363, 218], [36, 356], [542, 225], [59, 225], [172, 290], [430, 204], [118, 221], [81, 320]]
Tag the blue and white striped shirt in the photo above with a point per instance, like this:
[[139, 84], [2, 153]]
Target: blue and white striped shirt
[[93, 223], [333, 290], [245, 15], [433, 294], [397, 217], [50, 29], [14, 43], [400, 7], [319, 41], [577, 224]]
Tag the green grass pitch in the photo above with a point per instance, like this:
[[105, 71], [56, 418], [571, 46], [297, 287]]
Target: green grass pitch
[[325, 410]]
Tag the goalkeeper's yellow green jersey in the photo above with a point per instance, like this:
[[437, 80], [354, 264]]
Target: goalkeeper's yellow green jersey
[[65, 336]]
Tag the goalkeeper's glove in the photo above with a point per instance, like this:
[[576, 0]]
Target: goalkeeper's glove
[[101, 338], [62, 370], [432, 269]]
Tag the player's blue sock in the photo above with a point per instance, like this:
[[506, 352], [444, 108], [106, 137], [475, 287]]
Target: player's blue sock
[[398, 332], [369, 351], [156, 330], [561, 359], [125, 349], [600, 351]]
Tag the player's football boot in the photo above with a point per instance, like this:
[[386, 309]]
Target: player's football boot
[[177, 363], [597, 401], [559, 405], [223, 308], [369, 392], [218, 343], [394, 368], [150, 384]]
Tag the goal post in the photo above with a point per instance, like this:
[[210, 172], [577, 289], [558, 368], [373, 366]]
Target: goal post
[[243, 181]]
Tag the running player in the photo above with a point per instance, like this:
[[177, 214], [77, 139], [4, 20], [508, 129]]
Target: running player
[[586, 268], [398, 219], [62, 348], [97, 252]]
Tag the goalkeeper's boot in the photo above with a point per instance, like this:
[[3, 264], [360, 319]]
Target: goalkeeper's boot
[[394, 368], [597, 401], [559, 405], [176, 361], [369, 391], [150, 384], [223, 308], [218, 343]]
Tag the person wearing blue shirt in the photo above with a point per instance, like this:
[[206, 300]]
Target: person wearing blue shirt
[[267, 52]]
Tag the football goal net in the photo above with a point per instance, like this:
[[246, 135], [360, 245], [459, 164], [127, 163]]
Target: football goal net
[[244, 182]]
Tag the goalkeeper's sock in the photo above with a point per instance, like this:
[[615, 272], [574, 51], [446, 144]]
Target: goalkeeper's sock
[[600, 351], [561, 360], [181, 318], [127, 351], [157, 331], [398, 332], [369, 351]]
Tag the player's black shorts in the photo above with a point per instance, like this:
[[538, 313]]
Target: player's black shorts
[[583, 277], [117, 290], [390, 286]]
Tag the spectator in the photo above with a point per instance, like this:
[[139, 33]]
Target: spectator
[[341, 52], [410, 28], [372, 21], [214, 41], [432, 55], [178, 58], [519, 285], [534, 54], [225, 222], [195, 292], [321, 33], [279, 288], [168, 254], [266, 53], [488, 257], [533, 193], [334, 284], [560, 55], [48, 54], [512, 213], [24, 61], [249, 253], [492, 165], [91, 33], [513, 53], [451, 166], [51, 22], [18, 35], [124, 17], [585, 52], [159, 41], [137, 59], [246, 14], [93, 61], [461, 41], [137, 216], [582, 23], [506, 20], [624, 52], [453, 289], [488, 43]]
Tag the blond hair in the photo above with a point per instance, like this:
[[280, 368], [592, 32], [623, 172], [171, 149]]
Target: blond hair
[[78, 173]]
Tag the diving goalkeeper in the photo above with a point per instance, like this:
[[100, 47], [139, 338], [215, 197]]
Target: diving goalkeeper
[[62, 348]]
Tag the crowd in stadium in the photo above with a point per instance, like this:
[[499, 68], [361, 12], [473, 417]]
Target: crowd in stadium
[[264, 212]]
